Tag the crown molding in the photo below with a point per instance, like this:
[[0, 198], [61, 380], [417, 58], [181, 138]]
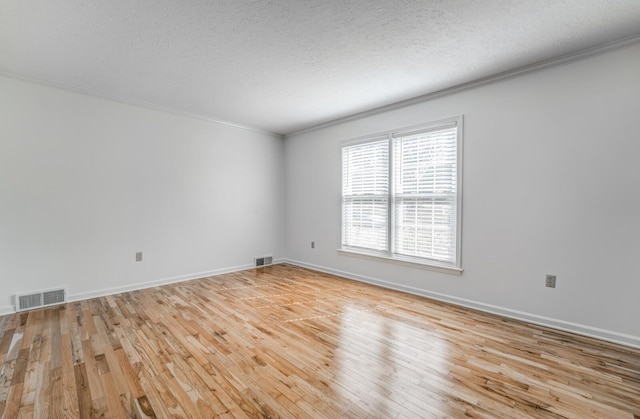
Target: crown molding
[[518, 72], [137, 103], [506, 75]]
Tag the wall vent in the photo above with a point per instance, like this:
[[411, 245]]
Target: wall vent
[[39, 299], [263, 261]]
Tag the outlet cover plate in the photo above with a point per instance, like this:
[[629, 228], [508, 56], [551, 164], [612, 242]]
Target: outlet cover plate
[[550, 281]]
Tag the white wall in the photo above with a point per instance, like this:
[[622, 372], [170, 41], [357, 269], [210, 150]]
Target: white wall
[[86, 182], [551, 185]]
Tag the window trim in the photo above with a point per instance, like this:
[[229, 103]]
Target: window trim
[[387, 255], [402, 261]]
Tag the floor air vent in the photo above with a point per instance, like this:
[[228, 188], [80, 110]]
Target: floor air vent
[[263, 261], [32, 300]]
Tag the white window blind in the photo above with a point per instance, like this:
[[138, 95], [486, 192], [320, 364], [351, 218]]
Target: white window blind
[[365, 195], [425, 195], [400, 194]]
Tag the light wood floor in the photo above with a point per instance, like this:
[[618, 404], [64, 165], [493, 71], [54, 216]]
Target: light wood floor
[[283, 341]]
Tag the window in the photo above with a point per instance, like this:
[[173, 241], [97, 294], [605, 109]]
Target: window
[[401, 194]]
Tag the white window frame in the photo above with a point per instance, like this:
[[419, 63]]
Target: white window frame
[[388, 255]]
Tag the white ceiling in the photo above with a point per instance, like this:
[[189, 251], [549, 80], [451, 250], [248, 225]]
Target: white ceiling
[[286, 65]]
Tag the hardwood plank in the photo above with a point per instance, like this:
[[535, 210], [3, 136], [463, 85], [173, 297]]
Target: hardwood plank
[[283, 341], [57, 408], [70, 406], [83, 392]]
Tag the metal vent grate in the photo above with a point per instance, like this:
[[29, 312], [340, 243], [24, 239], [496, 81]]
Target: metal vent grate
[[53, 297], [26, 302], [263, 261], [40, 299]]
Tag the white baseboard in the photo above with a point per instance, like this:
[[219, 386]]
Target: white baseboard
[[155, 283], [7, 310], [148, 284], [593, 332], [615, 337]]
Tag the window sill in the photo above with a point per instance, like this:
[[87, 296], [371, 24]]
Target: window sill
[[403, 262]]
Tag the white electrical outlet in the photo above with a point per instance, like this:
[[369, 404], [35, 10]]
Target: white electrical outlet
[[550, 281]]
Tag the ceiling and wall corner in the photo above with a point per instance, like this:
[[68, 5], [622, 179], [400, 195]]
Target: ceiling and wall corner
[[285, 66]]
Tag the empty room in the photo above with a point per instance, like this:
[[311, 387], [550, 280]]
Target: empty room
[[319, 209]]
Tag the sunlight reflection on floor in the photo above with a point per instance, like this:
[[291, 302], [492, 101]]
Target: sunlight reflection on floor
[[375, 358]]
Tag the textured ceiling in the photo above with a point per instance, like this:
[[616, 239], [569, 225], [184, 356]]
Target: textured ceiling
[[286, 65]]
